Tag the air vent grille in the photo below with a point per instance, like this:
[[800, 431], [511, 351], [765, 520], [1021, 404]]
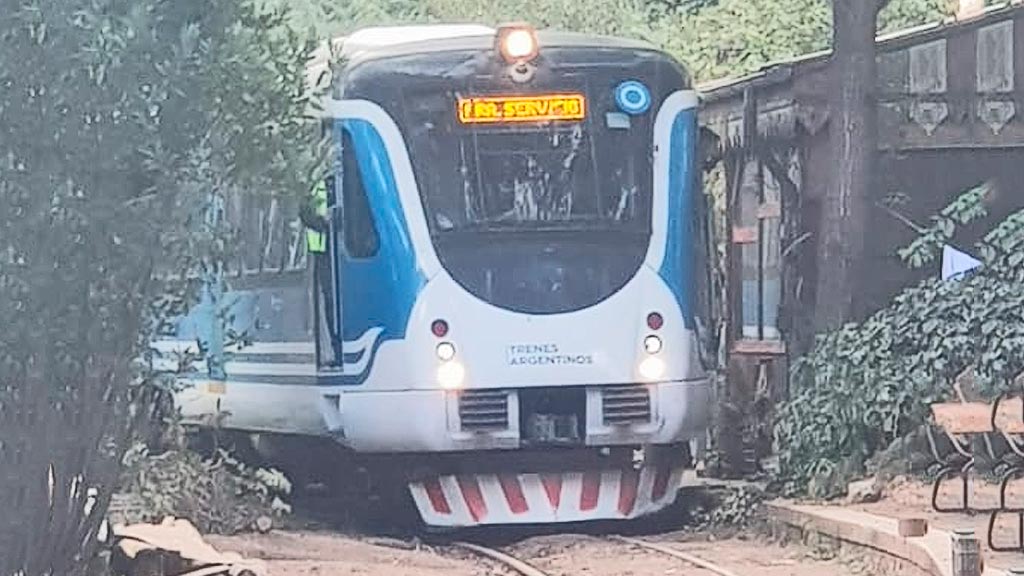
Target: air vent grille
[[626, 405], [483, 410]]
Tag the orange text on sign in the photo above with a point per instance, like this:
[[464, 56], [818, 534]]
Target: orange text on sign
[[540, 108]]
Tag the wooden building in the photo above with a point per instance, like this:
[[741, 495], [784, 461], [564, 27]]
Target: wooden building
[[951, 116]]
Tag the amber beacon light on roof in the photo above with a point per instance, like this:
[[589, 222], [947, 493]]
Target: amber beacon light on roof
[[517, 43]]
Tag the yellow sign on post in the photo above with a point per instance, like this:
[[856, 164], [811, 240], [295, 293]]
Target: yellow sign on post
[[534, 108]]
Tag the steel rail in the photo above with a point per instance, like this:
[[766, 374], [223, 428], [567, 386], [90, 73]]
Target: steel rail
[[510, 561], [699, 562], [526, 569]]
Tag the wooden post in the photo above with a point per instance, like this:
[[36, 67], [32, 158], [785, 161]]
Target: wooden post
[[966, 553]]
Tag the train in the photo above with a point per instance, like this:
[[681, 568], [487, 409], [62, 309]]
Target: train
[[501, 293]]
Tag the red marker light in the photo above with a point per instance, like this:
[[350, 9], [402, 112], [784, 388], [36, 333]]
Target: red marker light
[[439, 328], [655, 321]]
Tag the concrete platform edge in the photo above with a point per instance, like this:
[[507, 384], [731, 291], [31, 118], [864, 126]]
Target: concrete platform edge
[[931, 553]]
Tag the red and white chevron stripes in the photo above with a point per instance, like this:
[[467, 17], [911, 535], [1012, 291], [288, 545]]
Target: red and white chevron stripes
[[479, 499]]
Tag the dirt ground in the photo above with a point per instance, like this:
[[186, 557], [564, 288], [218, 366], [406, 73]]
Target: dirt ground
[[309, 553], [565, 555], [325, 554]]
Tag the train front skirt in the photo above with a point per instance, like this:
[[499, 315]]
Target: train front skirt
[[483, 499]]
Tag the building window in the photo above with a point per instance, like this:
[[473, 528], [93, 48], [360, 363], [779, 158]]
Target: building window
[[757, 235], [995, 74]]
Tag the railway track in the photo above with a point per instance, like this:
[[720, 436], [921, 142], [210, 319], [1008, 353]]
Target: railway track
[[529, 567]]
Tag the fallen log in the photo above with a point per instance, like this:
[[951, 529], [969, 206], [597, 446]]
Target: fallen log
[[175, 548]]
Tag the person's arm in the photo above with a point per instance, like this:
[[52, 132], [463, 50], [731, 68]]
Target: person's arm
[[312, 220]]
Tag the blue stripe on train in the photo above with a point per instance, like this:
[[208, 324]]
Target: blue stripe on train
[[677, 269], [379, 291]]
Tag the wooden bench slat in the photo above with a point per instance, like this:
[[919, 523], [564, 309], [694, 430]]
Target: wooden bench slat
[[1010, 417], [963, 417]]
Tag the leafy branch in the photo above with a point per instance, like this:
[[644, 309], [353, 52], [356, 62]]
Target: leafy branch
[[967, 208]]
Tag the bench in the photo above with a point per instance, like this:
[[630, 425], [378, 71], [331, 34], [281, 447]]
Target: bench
[[1001, 426], [1008, 420], [1008, 415], [959, 422], [962, 421]]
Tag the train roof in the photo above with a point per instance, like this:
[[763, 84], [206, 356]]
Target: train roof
[[385, 42], [396, 41]]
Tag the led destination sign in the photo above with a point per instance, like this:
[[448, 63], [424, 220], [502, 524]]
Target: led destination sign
[[534, 108]]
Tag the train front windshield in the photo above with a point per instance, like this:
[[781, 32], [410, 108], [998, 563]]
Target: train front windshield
[[537, 194], [592, 173]]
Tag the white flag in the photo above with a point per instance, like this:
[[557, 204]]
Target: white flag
[[956, 263]]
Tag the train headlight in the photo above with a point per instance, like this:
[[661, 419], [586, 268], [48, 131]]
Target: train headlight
[[652, 368], [451, 375], [652, 344], [517, 43], [445, 351]]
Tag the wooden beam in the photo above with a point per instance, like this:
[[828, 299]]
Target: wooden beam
[[759, 347], [744, 235]]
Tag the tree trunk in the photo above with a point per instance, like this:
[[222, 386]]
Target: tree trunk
[[853, 128]]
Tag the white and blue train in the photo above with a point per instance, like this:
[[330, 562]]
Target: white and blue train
[[508, 299]]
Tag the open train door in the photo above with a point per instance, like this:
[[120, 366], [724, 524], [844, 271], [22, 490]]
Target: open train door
[[326, 277]]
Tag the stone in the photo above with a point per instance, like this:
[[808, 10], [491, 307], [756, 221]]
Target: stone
[[863, 491], [264, 524]]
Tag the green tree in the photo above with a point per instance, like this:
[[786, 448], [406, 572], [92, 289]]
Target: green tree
[[612, 17], [328, 18], [901, 14], [717, 38], [119, 121], [734, 37]]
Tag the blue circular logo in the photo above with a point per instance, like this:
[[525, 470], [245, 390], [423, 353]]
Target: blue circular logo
[[633, 97]]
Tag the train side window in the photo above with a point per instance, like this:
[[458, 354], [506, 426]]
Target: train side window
[[359, 230]]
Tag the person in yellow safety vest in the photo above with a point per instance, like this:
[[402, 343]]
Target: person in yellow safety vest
[[314, 216]]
